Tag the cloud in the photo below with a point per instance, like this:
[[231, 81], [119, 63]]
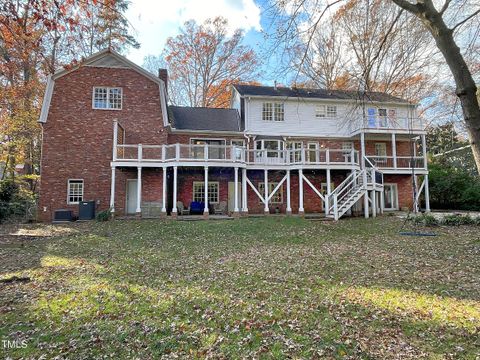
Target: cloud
[[156, 20]]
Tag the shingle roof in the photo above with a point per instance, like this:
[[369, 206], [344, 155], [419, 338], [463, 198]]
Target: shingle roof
[[281, 91], [200, 118]]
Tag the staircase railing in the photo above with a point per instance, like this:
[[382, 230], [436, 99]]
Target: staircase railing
[[343, 192], [373, 174]]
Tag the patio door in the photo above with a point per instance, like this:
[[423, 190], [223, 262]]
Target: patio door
[[390, 197], [131, 205], [231, 196]]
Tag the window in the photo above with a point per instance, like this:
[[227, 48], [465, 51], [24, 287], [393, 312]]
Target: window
[[107, 98], [320, 111], [267, 112], [295, 148], [279, 112], [273, 111], [75, 191], [199, 192], [382, 118], [347, 147], [239, 145], [380, 149], [331, 111], [277, 198], [216, 148], [312, 155]]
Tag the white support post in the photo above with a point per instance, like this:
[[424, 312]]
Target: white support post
[[365, 204], [177, 151], [301, 210], [427, 194], [235, 210], [164, 191], [394, 150], [374, 203], [140, 153], [205, 152], [329, 190], [112, 192], [335, 207], [362, 146], [382, 201], [115, 139], [424, 149], [265, 192], [174, 207], [327, 156], [205, 199], [289, 205], [139, 190], [244, 191]]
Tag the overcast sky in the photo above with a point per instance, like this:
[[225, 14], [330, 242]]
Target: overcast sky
[[156, 20]]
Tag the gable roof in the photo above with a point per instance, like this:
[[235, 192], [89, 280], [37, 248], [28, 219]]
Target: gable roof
[[306, 93], [201, 118], [104, 58]]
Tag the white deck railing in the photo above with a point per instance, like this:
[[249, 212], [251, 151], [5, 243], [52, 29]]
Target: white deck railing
[[398, 162], [233, 154], [386, 123]]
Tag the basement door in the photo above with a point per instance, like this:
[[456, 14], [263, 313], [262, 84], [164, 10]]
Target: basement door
[[131, 205], [390, 197], [231, 196]]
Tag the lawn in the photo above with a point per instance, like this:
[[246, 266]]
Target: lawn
[[250, 288]]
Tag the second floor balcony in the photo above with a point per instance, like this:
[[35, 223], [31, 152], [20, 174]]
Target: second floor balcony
[[377, 123]]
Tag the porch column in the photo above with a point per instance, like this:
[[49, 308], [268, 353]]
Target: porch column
[[205, 193], [265, 192], [164, 190], [365, 204], [235, 209], [382, 201], [112, 192], [329, 190], [174, 208], [394, 150], [289, 205], [427, 194], [424, 149], [374, 203], [139, 191], [244, 191], [301, 210], [362, 146]]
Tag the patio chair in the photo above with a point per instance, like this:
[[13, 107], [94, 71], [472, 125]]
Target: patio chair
[[221, 208], [196, 207], [181, 208]]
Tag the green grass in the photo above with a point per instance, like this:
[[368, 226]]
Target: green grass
[[262, 288]]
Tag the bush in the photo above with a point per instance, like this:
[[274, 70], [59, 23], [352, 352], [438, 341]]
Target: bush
[[104, 215], [457, 220], [16, 201], [425, 220]]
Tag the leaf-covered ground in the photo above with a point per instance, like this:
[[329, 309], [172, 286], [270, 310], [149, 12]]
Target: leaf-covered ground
[[250, 288]]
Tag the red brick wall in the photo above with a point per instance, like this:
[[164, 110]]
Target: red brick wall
[[77, 140], [405, 190]]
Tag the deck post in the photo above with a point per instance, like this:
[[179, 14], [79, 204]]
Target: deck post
[[115, 139], [244, 191], [112, 192], [362, 146], [374, 203], [265, 192], [427, 194], [235, 209], [424, 149], [174, 205], [205, 193], [301, 210], [394, 150], [365, 204], [289, 205], [382, 201], [164, 191], [329, 190], [139, 191]]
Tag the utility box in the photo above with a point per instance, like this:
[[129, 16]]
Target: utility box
[[86, 210], [62, 215]]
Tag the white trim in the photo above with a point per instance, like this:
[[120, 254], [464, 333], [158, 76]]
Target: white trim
[[68, 191], [108, 88], [203, 184], [396, 207], [207, 139], [47, 97], [126, 197]]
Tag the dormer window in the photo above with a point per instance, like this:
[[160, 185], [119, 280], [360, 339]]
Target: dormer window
[[273, 111], [107, 98]]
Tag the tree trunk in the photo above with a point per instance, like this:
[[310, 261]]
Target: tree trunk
[[466, 89]]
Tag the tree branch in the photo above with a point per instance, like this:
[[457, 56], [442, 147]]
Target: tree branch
[[406, 5], [465, 20]]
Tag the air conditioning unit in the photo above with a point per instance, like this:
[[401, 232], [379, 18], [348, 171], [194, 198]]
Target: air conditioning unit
[[86, 210], [63, 215]]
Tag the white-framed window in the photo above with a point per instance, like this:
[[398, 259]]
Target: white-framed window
[[381, 149], [107, 98], [270, 148], [74, 191], [295, 148], [273, 111], [347, 147], [239, 145], [267, 111], [382, 118], [320, 111], [216, 148], [312, 153], [277, 198], [279, 113], [331, 111], [199, 191]]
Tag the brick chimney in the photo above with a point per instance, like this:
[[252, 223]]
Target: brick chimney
[[163, 74]]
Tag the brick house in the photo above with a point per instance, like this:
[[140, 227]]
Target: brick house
[[110, 136]]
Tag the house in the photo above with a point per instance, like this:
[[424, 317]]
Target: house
[[110, 136]]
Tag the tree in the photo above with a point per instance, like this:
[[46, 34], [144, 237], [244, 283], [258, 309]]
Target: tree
[[203, 61]]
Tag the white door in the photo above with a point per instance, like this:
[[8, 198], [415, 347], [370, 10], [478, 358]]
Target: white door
[[390, 197], [231, 196], [131, 196]]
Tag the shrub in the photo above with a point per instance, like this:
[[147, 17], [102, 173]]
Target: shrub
[[425, 220], [104, 215], [457, 220]]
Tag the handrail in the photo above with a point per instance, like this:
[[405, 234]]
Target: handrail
[[334, 197]]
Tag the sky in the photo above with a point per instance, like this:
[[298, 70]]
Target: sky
[[154, 21]]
